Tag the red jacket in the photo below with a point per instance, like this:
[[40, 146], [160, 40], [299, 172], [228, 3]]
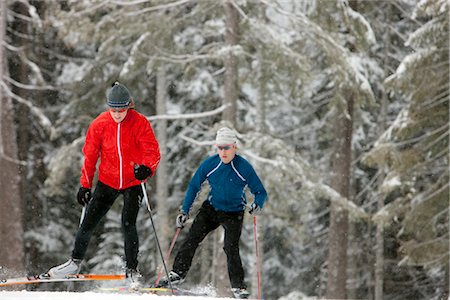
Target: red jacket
[[120, 146]]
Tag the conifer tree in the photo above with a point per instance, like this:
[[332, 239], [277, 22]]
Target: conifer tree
[[414, 149]]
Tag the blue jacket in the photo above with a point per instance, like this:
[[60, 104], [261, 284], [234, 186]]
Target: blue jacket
[[227, 183]]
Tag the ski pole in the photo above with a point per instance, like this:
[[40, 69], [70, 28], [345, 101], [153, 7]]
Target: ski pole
[[168, 254], [258, 272], [70, 286], [156, 235]]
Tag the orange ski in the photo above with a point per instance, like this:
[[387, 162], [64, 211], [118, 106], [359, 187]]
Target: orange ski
[[43, 278]]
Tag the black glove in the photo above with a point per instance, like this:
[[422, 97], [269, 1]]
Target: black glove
[[84, 196], [254, 209], [181, 219], [141, 172]]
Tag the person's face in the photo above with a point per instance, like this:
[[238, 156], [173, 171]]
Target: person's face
[[226, 152], [118, 114]]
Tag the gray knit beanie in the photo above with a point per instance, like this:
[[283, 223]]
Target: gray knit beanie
[[119, 96], [225, 136]]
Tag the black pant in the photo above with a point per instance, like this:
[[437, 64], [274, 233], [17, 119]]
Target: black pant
[[207, 220], [102, 200]]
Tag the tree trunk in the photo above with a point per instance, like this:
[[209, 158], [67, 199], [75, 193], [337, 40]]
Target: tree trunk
[[231, 70], [447, 279], [341, 170], [220, 278], [161, 175], [205, 254], [260, 102], [261, 128], [220, 275], [379, 236], [25, 140], [11, 233], [338, 231]]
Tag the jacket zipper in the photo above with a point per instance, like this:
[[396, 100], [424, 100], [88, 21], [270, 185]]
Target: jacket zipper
[[120, 157]]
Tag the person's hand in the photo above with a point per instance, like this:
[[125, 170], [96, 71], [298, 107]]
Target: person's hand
[[84, 196], [181, 219], [141, 172], [254, 209]]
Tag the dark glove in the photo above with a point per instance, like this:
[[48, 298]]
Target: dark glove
[[254, 209], [84, 196], [181, 219], [141, 172]]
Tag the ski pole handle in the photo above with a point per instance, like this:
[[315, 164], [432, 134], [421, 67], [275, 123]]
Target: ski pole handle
[[146, 197], [83, 213]]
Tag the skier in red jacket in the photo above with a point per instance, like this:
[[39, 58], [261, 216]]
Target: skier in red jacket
[[124, 141]]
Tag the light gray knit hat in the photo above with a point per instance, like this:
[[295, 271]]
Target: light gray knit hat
[[226, 136]]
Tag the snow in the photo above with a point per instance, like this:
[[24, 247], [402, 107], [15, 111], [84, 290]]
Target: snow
[[23, 295], [356, 63], [72, 72], [390, 184], [369, 35], [134, 53]]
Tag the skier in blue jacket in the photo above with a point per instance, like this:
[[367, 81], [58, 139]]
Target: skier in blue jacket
[[228, 174]]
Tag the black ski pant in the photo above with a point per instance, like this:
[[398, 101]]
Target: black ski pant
[[102, 200], [207, 220]]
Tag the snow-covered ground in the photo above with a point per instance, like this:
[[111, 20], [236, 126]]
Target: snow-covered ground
[[25, 295]]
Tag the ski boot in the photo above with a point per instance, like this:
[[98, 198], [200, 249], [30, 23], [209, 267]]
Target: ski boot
[[240, 293], [174, 279], [134, 278], [72, 266]]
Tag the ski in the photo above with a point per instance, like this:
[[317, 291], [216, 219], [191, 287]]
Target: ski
[[44, 278], [153, 290]]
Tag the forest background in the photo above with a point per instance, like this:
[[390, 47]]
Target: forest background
[[341, 106]]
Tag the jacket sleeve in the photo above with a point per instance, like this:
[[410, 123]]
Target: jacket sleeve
[[91, 152], [194, 187], [149, 145], [256, 187]]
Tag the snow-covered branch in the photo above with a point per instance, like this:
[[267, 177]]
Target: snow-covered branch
[[261, 159], [33, 14], [130, 3], [328, 192], [195, 142], [33, 66], [27, 86], [184, 58], [189, 116], [239, 10], [157, 7], [13, 160], [348, 66], [91, 8], [43, 120]]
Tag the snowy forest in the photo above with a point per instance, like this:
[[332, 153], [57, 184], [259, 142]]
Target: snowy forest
[[341, 106]]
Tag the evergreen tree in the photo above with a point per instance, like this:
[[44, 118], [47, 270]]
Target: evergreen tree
[[414, 150]]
